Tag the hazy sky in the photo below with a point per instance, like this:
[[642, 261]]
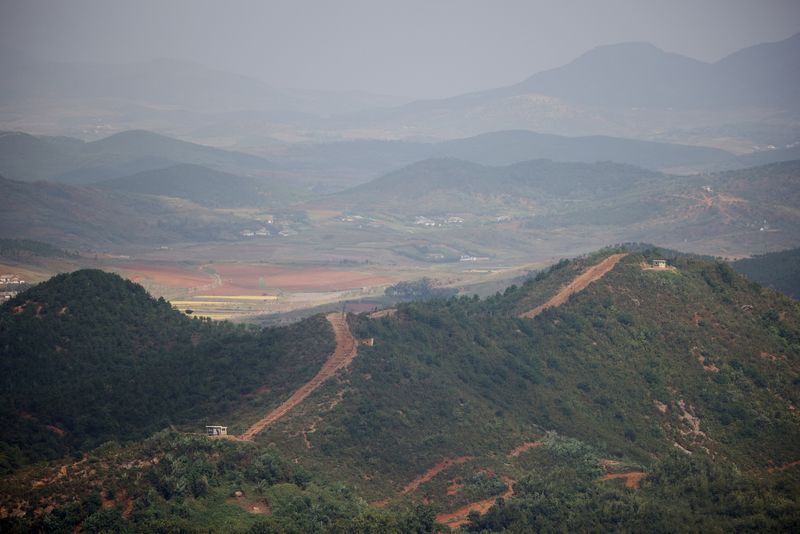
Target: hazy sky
[[427, 48]]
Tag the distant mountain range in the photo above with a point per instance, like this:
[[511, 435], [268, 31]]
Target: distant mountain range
[[202, 185], [61, 159], [349, 162], [166, 83], [621, 202], [630, 90], [82, 217]]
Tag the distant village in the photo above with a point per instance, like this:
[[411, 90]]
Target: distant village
[[270, 228], [10, 285]]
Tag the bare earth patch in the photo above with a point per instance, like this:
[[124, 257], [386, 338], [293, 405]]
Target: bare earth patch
[[433, 471], [459, 517], [580, 283], [346, 350]]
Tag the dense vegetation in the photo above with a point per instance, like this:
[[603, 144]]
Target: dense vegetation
[[20, 249], [190, 484], [638, 365], [686, 375], [777, 270], [422, 289], [681, 493], [87, 357]]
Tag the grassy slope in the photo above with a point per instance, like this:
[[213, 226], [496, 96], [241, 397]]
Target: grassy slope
[[96, 357], [468, 378], [778, 270]]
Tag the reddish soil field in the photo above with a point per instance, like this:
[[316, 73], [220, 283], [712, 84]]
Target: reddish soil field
[[250, 279], [167, 275]]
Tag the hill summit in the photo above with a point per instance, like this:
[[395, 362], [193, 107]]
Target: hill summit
[[661, 382]]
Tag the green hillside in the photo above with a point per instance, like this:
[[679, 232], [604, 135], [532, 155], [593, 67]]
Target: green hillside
[[19, 249], [777, 270], [88, 357], [440, 186], [466, 377], [77, 217], [648, 399], [202, 185], [28, 158]]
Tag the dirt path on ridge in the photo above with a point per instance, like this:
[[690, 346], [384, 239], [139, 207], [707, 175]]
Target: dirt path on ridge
[[459, 517], [433, 471], [580, 282], [344, 353]]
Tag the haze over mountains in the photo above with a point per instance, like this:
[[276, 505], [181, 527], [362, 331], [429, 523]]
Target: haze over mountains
[[620, 90], [231, 307]]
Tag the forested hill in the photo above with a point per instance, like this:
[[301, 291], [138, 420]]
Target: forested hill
[[681, 382], [778, 270], [88, 357], [639, 364]]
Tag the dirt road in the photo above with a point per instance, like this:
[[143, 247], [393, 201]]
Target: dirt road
[[459, 517], [580, 282], [433, 471], [344, 353]]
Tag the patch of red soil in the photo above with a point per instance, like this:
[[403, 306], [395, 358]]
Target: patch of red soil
[[388, 312], [346, 350], [580, 283], [55, 430], [783, 467], [524, 447], [433, 471], [632, 479], [771, 357], [455, 486], [166, 275], [459, 517], [255, 279]]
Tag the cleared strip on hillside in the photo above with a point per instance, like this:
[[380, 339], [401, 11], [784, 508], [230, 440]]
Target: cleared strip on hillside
[[344, 353], [460, 517], [580, 283]]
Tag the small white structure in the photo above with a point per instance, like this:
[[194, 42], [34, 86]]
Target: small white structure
[[659, 264], [216, 430]]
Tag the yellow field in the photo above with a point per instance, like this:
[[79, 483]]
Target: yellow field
[[238, 297]]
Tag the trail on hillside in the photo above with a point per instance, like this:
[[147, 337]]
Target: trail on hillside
[[580, 282], [632, 478], [459, 517], [524, 447], [433, 471], [344, 353]]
